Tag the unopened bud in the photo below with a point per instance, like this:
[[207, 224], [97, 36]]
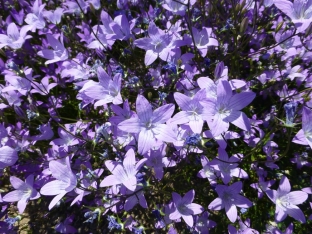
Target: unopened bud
[[244, 25]]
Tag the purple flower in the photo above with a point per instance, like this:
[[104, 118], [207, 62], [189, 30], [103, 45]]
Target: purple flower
[[192, 112], [207, 171], [304, 136], [55, 16], [35, 19], [202, 40], [203, 224], [8, 156], [14, 38], [123, 173], [43, 87], [226, 109], [106, 91], [244, 228], [227, 167], [23, 193], [229, 198], [65, 227], [65, 181], [157, 45], [185, 208], [149, 124], [59, 52], [157, 161], [299, 12], [286, 201]]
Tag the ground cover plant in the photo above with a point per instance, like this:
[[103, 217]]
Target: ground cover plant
[[172, 116]]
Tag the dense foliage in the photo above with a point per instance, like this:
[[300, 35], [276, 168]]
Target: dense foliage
[[172, 116]]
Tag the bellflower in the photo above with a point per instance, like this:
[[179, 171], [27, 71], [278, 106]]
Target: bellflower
[[185, 208], [106, 90], [54, 16], [35, 19], [149, 124], [15, 38], [157, 45], [286, 201], [229, 198], [192, 112], [124, 173], [23, 193], [157, 161], [304, 136], [299, 11], [203, 40], [227, 167], [226, 109], [65, 182], [59, 52]]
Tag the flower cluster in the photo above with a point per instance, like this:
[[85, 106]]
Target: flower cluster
[[156, 116]]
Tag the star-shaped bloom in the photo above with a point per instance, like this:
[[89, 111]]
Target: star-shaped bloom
[[185, 208], [59, 52], [106, 90], [157, 45], [286, 201], [226, 109], [124, 173], [65, 182], [157, 161], [43, 87], [299, 11], [229, 198], [14, 38], [304, 136], [35, 19], [149, 124], [227, 167], [23, 193], [192, 112]]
